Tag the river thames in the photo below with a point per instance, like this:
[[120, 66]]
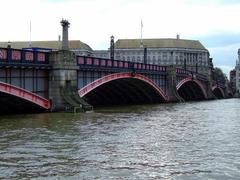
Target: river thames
[[195, 140]]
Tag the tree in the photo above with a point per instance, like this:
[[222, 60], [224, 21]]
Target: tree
[[219, 75]]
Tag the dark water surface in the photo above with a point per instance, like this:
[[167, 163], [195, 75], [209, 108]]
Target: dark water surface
[[197, 140]]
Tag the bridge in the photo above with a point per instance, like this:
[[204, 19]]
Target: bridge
[[36, 81]]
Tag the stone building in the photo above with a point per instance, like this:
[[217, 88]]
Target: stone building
[[237, 68], [76, 46], [232, 83], [178, 52]]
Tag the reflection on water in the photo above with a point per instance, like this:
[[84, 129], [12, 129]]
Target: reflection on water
[[197, 140]]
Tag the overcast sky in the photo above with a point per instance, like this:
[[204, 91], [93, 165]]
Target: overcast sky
[[215, 23]]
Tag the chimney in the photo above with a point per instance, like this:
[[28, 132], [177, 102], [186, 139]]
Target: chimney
[[65, 43], [178, 36]]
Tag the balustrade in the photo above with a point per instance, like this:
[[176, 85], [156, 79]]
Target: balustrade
[[16, 56]]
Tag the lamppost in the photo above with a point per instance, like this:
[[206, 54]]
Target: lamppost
[[172, 63], [196, 67], [145, 56], [196, 63], [65, 43], [185, 65], [112, 48], [9, 45]]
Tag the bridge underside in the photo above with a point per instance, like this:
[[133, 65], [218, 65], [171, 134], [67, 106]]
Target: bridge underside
[[123, 91], [190, 91], [218, 93], [10, 104], [230, 94]]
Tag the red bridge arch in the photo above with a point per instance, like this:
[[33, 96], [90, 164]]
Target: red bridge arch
[[190, 79], [88, 88], [24, 94]]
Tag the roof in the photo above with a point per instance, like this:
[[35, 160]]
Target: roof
[[158, 43], [73, 44]]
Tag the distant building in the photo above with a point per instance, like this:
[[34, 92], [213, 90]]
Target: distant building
[[76, 46], [233, 80], [237, 68], [178, 52]]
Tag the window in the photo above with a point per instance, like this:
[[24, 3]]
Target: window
[[138, 59], [164, 57], [181, 58]]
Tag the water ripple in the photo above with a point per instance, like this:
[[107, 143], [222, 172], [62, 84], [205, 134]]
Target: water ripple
[[197, 140]]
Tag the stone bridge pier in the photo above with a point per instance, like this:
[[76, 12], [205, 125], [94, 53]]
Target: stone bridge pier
[[171, 85], [63, 91], [63, 78]]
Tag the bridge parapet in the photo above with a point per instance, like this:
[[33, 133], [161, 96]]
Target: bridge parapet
[[92, 62], [219, 83], [187, 73], [13, 57]]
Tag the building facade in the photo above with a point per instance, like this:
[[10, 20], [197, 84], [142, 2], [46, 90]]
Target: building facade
[[76, 46], [189, 54], [237, 68], [232, 82]]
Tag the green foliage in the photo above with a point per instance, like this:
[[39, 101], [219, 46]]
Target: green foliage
[[218, 74]]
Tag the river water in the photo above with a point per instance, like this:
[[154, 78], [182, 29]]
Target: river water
[[195, 140]]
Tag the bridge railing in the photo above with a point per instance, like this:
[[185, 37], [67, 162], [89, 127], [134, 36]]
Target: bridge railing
[[219, 83], [183, 71], [117, 64], [186, 73], [16, 56]]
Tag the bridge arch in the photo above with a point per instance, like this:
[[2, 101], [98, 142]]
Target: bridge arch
[[191, 89], [218, 92], [230, 94], [122, 88], [17, 100]]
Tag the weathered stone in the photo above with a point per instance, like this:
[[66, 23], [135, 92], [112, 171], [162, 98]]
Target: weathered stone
[[171, 85], [63, 82]]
